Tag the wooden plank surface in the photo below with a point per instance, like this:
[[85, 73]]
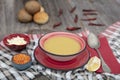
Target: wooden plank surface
[[108, 12]]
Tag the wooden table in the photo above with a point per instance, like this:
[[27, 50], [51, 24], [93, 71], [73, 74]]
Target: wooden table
[[108, 12]]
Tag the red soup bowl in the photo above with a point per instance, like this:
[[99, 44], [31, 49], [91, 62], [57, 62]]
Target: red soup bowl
[[16, 42], [62, 46]]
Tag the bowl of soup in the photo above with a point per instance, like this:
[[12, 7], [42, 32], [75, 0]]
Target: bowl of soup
[[62, 46]]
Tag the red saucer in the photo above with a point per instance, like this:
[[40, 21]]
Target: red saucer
[[46, 61]]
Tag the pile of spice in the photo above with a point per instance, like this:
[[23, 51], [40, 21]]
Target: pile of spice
[[33, 11], [21, 58]]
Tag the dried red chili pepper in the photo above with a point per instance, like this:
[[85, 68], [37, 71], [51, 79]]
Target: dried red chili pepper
[[72, 28], [89, 10], [76, 19], [60, 12], [87, 13], [95, 24], [89, 19], [57, 24], [73, 9]]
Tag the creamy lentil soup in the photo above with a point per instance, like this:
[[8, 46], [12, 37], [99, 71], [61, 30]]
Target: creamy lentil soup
[[62, 45]]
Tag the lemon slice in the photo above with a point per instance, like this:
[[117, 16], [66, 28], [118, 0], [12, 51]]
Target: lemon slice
[[93, 64]]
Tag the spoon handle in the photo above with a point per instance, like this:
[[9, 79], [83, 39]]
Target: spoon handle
[[105, 67]]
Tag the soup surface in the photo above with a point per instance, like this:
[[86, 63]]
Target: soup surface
[[62, 45]]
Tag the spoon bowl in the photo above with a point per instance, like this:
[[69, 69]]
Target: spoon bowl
[[93, 41]]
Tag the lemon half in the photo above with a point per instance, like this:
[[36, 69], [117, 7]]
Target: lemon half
[[93, 64]]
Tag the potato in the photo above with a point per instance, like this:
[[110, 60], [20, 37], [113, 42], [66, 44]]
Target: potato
[[41, 17], [32, 6], [24, 16]]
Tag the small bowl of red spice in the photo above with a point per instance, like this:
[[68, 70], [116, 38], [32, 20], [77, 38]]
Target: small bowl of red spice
[[21, 61]]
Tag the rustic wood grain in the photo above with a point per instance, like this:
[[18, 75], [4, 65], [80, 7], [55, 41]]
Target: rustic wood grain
[[108, 13]]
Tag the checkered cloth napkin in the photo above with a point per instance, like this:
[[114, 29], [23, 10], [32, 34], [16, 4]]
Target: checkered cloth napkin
[[8, 72]]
